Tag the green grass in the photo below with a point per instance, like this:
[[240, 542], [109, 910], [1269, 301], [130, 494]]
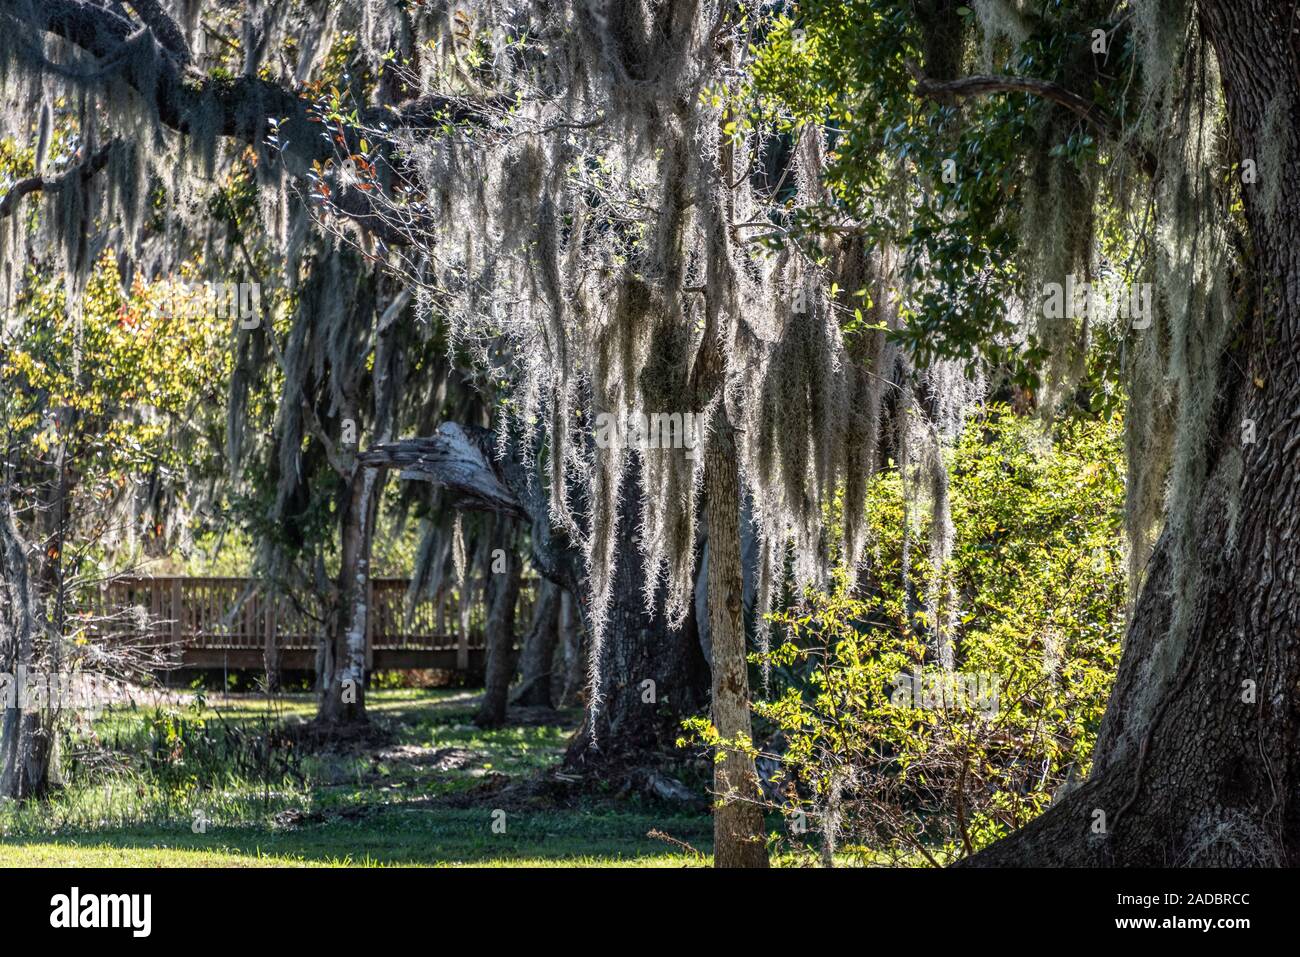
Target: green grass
[[425, 799], [392, 838]]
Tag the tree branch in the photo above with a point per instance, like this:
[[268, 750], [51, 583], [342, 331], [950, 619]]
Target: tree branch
[[163, 27], [238, 107], [455, 459], [33, 184], [952, 90]]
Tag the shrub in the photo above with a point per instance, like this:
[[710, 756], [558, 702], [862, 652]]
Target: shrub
[[883, 751]]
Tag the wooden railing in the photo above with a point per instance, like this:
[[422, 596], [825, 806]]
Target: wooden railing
[[211, 619]]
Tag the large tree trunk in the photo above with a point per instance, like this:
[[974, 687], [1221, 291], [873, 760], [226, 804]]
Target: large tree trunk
[[537, 661], [342, 663], [24, 739], [651, 677], [503, 596], [27, 736], [738, 831], [1197, 757]]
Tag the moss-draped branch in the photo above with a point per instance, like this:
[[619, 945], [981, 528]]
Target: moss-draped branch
[[236, 108]]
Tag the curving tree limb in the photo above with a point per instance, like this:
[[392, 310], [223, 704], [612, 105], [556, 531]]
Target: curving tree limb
[[164, 28], [52, 184], [453, 458], [950, 91]]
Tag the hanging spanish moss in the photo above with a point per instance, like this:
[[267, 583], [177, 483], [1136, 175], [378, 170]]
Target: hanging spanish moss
[[598, 230]]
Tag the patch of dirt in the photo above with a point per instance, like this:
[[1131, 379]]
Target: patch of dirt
[[493, 786], [434, 759], [556, 789], [291, 818], [313, 737], [662, 778], [530, 716]]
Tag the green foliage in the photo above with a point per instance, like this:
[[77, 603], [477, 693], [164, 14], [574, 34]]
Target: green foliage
[[844, 69], [945, 765], [118, 391], [124, 368]]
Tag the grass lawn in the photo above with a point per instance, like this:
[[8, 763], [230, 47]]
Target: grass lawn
[[196, 785]]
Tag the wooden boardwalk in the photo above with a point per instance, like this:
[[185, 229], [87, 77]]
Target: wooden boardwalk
[[227, 623]]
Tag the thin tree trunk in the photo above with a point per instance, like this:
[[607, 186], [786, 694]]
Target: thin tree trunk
[[738, 830], [343, 664], [572, 646], [27, 737], [24, 740], [504, 596], [537, 660], [270, 641], [27, 754]]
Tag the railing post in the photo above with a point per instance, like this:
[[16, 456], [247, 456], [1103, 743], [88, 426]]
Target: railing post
[[370, 624], [176, 613], [268, 622], [155, 606]]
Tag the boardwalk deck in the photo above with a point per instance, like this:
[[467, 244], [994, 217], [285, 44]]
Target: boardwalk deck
[[229, 623]]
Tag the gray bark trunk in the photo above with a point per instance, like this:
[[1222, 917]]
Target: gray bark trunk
[[342, 664], [25, 739], [573, 647], [1197, 760], [503, 597], [738, 830], [537, 660]]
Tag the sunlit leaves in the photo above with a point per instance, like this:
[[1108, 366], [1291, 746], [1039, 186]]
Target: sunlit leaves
[[1039, 566]]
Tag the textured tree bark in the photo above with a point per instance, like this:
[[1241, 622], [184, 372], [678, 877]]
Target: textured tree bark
[[342, 668], [537, 660], [33, 609], [24, 740], [738, 830], [572, 644], [651, 677], [1197, 760], [749, 560], [504, 592], [27, 755]]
